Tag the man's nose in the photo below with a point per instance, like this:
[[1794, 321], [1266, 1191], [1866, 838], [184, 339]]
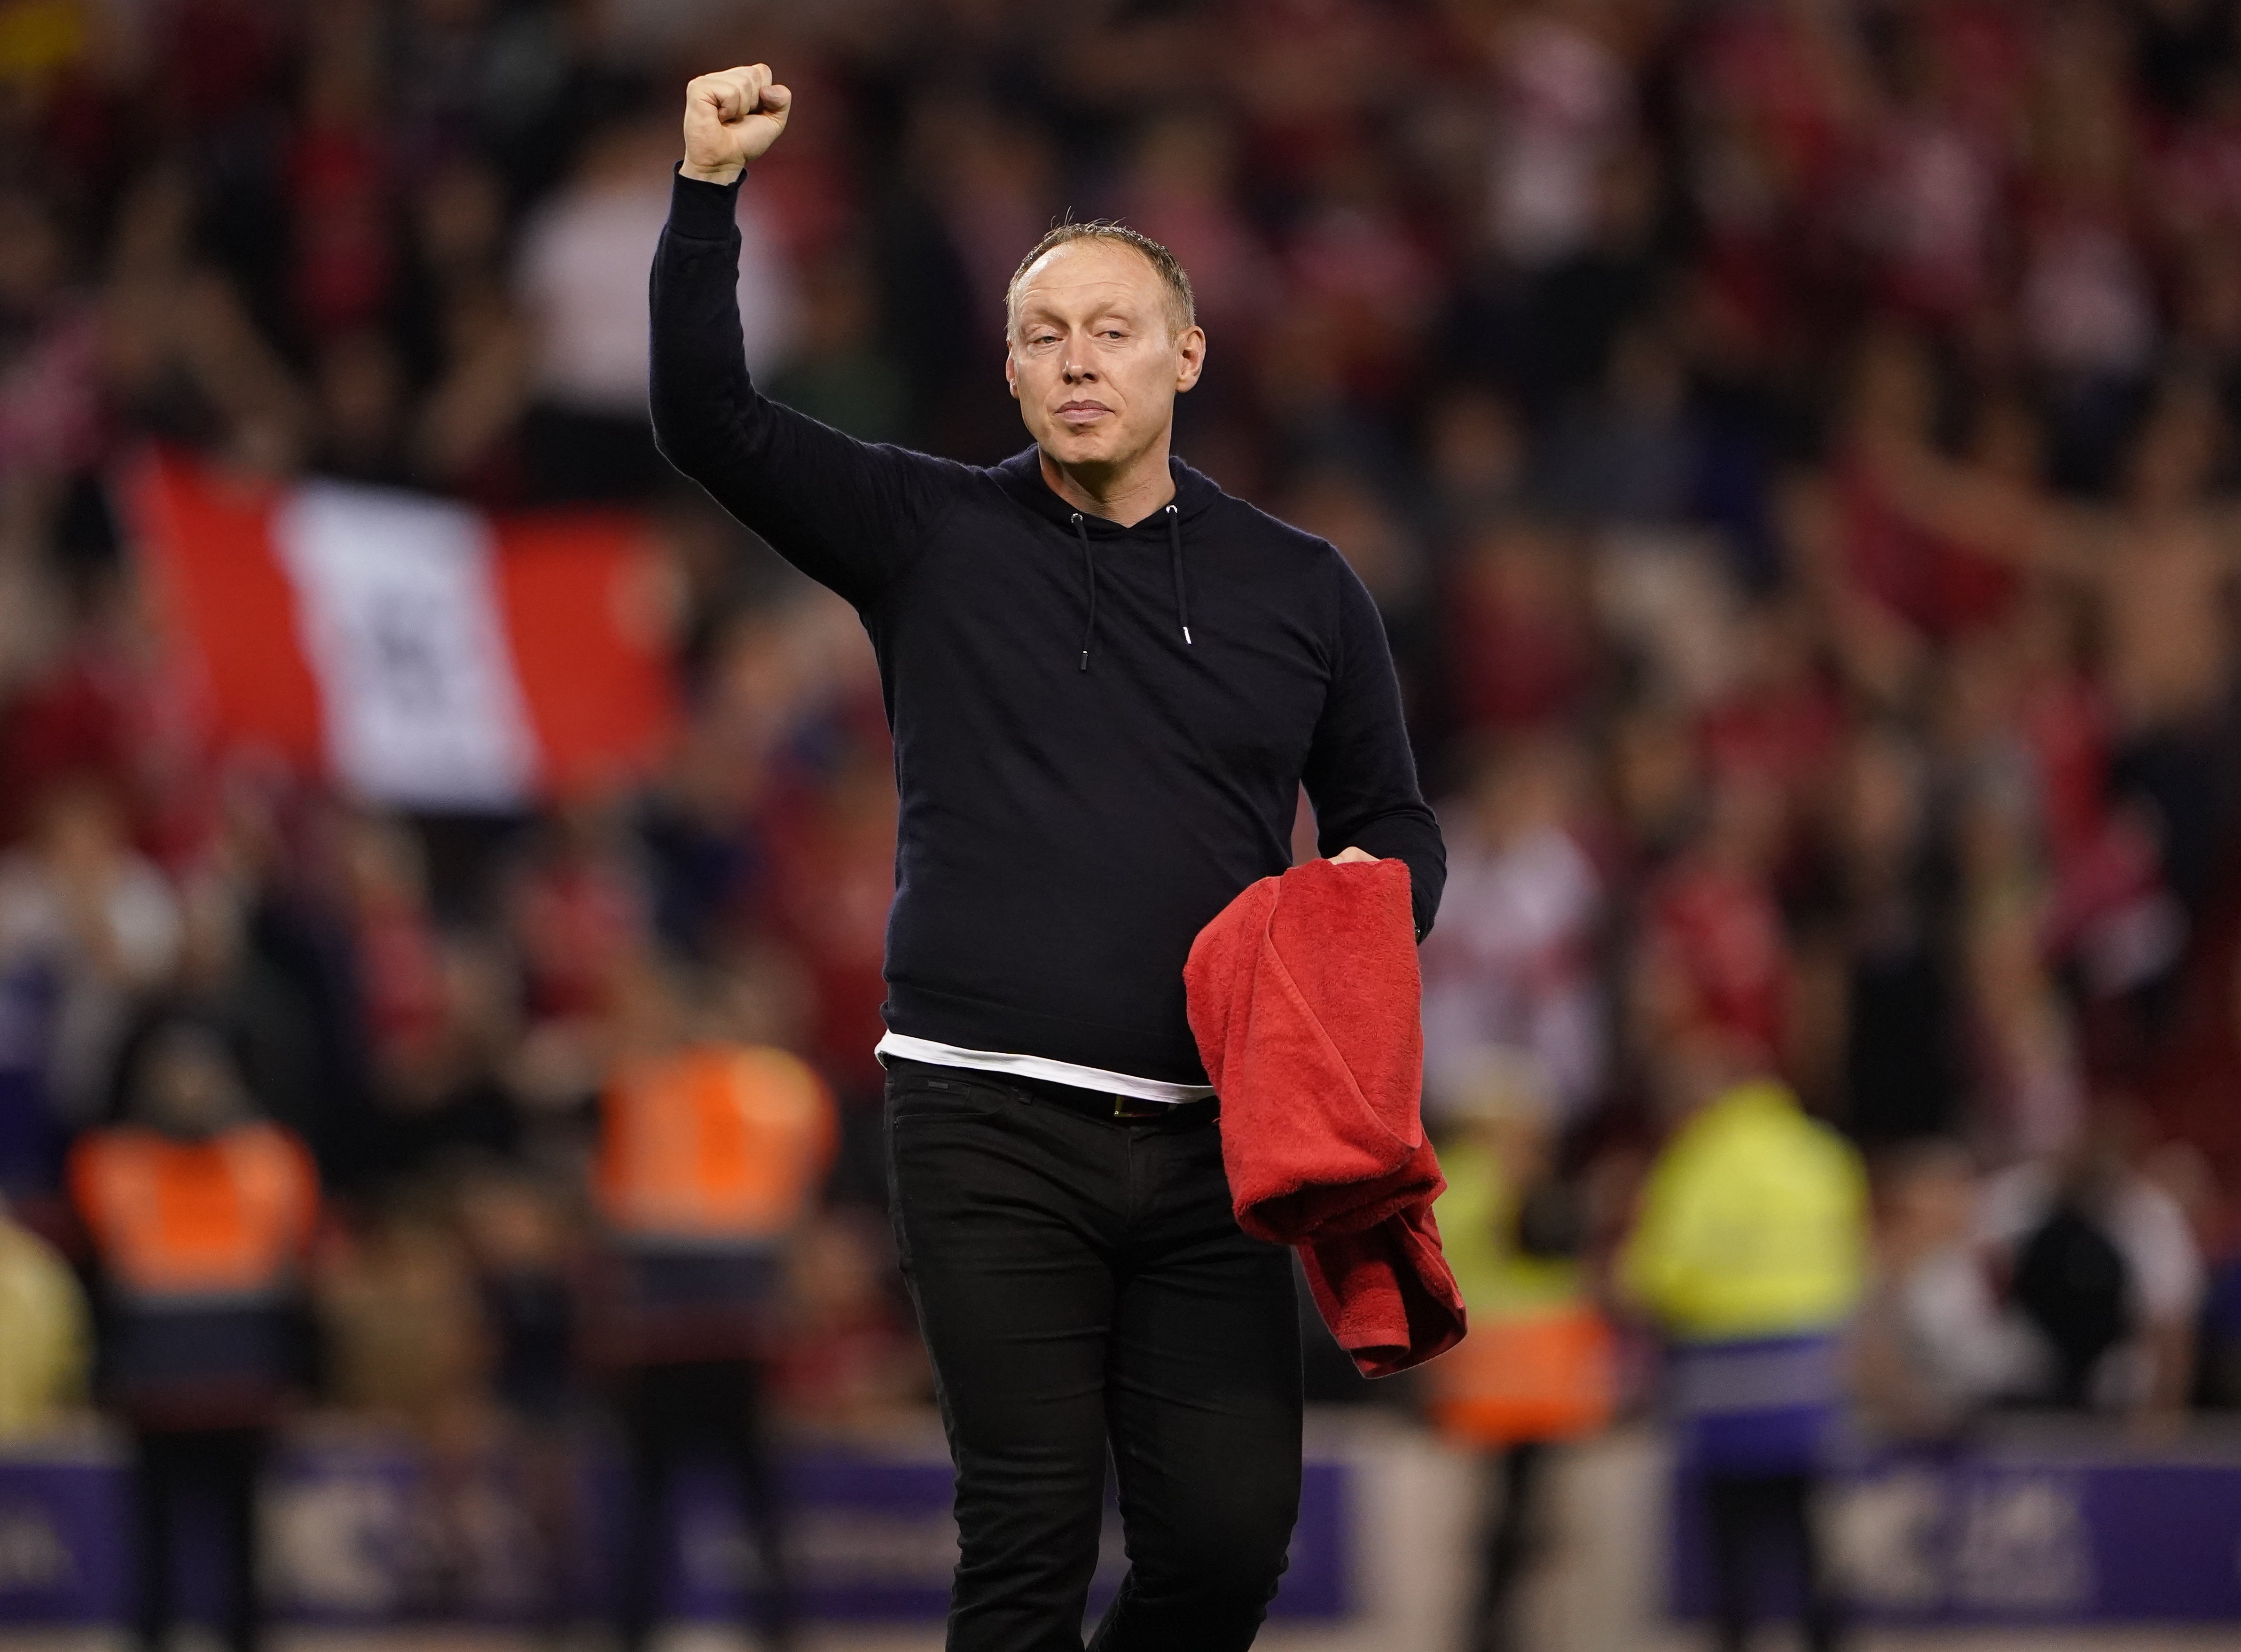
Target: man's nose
[[1076, 372]]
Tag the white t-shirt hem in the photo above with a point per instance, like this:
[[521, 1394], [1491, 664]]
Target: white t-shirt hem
[[1038, 1066]]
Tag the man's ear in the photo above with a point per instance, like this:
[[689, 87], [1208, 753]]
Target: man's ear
[[1190, 357], [1011, 372]]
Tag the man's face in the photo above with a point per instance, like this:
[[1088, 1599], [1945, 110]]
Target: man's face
[[189, 1084], [1095, 360]]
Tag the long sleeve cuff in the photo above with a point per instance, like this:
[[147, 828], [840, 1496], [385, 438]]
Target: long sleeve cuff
[[701, 211], [1398, 838]]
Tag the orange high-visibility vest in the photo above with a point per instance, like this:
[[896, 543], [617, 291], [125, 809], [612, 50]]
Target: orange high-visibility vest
[[1544, 1375], [224, 1216], [722, 1142]]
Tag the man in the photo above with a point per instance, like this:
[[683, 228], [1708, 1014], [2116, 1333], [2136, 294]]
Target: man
[[1536, 1370], [1108, 681], [199, 1213], [711, 1154], [1749, 1251]]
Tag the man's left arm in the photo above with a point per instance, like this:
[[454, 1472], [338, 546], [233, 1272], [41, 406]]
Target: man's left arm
[[1359, 774]]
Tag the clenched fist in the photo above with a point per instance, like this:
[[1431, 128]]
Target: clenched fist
[[730, 119]]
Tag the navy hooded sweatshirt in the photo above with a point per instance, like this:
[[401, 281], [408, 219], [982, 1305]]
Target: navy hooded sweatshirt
[[1100, 732]]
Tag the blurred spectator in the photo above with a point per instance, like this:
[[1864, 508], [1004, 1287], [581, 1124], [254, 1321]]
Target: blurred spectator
[[181, 356], [2160, 567], [1604, 288], [583, 257], [1521, 650], [86, 925], [2103, 1264], [972, 184], [398, 957], [1654, 783], [849, 1354], [50, 429], [359, 393], [840, 375], [405, 1346], [578, 910], [338, 185], [520, 1238], [711, 1151], [45, 1357], [1565, 102], [200, 1215], [2030, 1086], [2086, 290], [1475, 456], [1629, 454], [461, 330], [1713, 956], [1927, 207], [2217, 1362], [1905, 562], [1537, 1368], [1749, 1252], [1902, 1043], [1934, 1347], [438, 1015], [525, 1249], [1512, 964], [1775, 714]]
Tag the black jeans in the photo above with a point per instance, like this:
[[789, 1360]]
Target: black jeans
[[1080, 1280], [675, 1415], [217, 1469]]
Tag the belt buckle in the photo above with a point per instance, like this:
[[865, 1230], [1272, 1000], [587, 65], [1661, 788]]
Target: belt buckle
[[1130, 1107]]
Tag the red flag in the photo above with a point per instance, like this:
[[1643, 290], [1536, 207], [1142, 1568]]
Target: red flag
[[417, 651]]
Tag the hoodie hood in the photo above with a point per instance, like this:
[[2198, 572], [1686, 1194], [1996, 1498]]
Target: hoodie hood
[[1022, 475]]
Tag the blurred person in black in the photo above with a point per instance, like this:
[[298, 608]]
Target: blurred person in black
[[521, 1238], [1108, 681], [199, 1212], [2101, 1264], [1536, 1370]]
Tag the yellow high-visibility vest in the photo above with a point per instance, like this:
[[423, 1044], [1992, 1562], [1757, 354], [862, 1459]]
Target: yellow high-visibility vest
[[1754, 1222], [46, 1344], [1537, 1363]]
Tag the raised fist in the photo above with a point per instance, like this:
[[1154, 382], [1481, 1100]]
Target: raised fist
[[730, 119]]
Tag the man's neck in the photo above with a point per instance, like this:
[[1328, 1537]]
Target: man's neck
[[1126, 494]]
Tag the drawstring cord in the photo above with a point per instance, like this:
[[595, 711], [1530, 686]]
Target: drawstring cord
[[1175, 545], [1089, 574], [1089, 578]]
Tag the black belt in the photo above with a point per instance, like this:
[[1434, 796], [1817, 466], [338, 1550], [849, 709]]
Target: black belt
[[1094, 1104], [1107, 1103]]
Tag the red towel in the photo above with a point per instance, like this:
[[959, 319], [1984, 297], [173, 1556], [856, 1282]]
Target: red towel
[[1305, 1003]]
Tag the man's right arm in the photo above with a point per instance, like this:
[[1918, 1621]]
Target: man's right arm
[[843, 511]]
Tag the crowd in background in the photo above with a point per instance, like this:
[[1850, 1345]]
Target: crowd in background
[[1791, 443]]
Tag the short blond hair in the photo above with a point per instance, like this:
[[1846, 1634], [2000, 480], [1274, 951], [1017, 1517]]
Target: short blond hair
[[1182, 307]]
